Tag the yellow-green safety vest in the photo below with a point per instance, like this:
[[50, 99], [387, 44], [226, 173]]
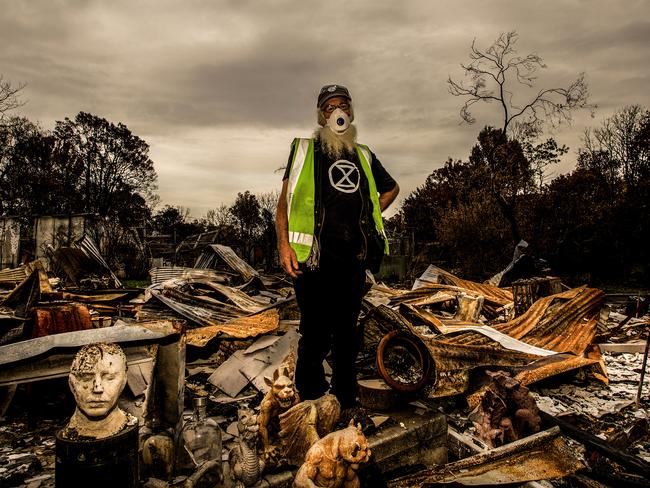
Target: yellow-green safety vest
[[301, 197]]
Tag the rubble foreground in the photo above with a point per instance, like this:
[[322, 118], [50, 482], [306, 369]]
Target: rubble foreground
[[463, 382]]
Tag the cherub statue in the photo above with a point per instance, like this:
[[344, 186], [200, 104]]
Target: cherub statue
[[97, 378], [280, 398], [245, 465], [333, 461]]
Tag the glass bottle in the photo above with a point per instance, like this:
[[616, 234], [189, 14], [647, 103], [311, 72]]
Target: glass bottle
[[200, 441]]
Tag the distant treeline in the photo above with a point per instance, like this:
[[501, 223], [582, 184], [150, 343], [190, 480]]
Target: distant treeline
[[592, 224], [92, 166]]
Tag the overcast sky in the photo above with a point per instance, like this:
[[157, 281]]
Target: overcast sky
[[218, 89]]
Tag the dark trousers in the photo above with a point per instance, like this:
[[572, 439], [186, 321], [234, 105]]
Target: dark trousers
[[329, 302]]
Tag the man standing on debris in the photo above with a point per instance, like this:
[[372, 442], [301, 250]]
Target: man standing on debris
[[330, 230]]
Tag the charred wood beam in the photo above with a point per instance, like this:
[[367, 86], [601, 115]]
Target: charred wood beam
[[643, 366], [629, 462]]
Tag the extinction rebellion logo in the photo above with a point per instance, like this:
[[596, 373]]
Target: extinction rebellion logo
[[344, 176]]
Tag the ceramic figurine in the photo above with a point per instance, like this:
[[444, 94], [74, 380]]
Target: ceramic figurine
[[280, 398], [245, 465], [333, 461]]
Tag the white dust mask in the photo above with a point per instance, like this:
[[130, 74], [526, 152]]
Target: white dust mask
[[338, 121]]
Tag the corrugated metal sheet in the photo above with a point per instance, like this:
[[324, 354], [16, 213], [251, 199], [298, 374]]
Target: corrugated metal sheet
[[160, 274], [435, 284], [493, 301], [87, 245], [454, 363], [198, 312], [15, 275], [565, 322], [60, 318], [434, 275], [538, 457], [209, 259], [244, 327]]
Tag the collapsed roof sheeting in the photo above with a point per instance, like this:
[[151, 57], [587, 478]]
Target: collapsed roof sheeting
[[238, 315], [454, 363], [213, 252], [76, 262], [87, 245], [191, 308], [434, 275], [541, 456], [565, 322], [561, 323], [14, 275], [243, 327], [435, 280], [161, 274]]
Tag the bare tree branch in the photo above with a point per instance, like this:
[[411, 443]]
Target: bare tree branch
[[9, 96], [493, 70]]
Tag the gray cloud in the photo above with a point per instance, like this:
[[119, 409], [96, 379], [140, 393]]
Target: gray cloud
[[219, 89]]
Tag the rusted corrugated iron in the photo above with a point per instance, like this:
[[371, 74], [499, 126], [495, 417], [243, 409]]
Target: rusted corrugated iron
[[541, 456], [60, 318], [14, 275], [453, 363], [436, 275], [198, 312], [495, 298], [243, 327], [183, 297], [565, 322]]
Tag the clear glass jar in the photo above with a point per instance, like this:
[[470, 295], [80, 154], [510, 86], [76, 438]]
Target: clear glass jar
[[200, 441]]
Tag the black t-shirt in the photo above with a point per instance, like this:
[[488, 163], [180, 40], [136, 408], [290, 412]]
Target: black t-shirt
[[340, 185]]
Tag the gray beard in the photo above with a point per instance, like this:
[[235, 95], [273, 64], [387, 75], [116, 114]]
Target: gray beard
[[336, 145]]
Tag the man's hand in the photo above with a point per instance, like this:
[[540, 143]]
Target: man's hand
[[289, 261], [287, 255]]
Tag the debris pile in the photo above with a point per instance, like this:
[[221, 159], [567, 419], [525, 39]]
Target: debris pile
[[506, 381]]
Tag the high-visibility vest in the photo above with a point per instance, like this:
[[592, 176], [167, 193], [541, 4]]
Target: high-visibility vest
[[301, 197]]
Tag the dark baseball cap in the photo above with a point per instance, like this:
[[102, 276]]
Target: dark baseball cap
[[331, 91]]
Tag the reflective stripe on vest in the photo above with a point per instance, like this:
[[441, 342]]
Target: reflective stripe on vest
[[301, 197]]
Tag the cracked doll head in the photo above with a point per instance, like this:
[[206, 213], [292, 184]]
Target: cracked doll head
[[97, 377]]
